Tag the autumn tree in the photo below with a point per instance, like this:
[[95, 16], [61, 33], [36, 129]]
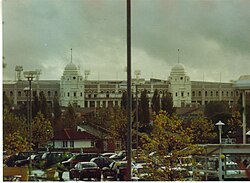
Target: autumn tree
[[15, 142], [118, 124], [203, 130], [13, 123], [42, 131], [155, 104], [168, 140]]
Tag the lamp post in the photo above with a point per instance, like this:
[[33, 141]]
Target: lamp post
[[220, 124], [30, 75]]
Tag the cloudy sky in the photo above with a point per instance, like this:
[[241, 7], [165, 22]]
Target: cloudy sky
[[213, 37]]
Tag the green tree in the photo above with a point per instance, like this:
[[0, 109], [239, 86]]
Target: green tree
[[70, 120], [144, 112], [156, 102], [35, 106], [167, 103], [217, 110], [42, 131], [6, 101], [124, 101], [44, 108]]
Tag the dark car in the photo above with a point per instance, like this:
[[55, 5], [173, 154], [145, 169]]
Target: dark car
[[117, 170], [109, 171], [11, 161], [102, 161], [84, 170], [83, 157], [49, 159], [34, 158]]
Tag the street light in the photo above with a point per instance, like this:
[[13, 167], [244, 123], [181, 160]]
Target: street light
[[220, 124], [30, 75]]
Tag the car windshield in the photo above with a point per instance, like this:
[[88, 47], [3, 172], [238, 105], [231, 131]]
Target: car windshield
[[84, 165]]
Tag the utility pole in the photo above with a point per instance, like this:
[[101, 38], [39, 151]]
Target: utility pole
[[129, 107]]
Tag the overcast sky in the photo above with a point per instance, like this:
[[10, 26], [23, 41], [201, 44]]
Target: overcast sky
[[213, 37]]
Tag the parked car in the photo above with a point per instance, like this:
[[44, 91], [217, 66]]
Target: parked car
[[107, 154], [11, 160], [83, 157], [49, 159], [84, 170], [119, 156], [117, 170], [102, 161]]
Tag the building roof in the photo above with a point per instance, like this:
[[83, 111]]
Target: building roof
[[68, 134], [71, 69], [243, 82]]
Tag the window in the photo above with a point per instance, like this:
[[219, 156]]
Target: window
[[182, 94], [68, 94], [193, 93], [89, 95], [211, 93], [11, 93], [95, 95], [55, 93], [205, 93], [65, 143], [74, 77], [92, 143], [217, 93], [181, 78], [49, 93], [71, 143], [199, 93], [74, 94], [19, 94], [176, 94]]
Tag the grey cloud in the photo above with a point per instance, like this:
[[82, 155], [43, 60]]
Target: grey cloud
[[212, 36]]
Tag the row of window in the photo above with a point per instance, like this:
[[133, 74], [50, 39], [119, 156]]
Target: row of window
[[215, 93], [22, 94], [71, 143]]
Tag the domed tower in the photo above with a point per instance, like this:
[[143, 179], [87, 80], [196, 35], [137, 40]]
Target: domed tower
[[72, 86], [180, 86]]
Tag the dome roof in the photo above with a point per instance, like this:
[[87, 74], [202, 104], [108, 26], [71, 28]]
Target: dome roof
[[71, 67], [178, 69]]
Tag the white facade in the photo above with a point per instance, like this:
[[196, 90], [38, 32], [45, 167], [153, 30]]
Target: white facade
[[88, 143], [72, 87], [180, 86]]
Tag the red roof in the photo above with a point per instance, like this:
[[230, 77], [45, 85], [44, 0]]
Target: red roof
[[68, 134]]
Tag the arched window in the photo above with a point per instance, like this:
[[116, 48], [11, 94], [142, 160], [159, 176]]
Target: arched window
[[68, 94], [11, 93], [19, 93]]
